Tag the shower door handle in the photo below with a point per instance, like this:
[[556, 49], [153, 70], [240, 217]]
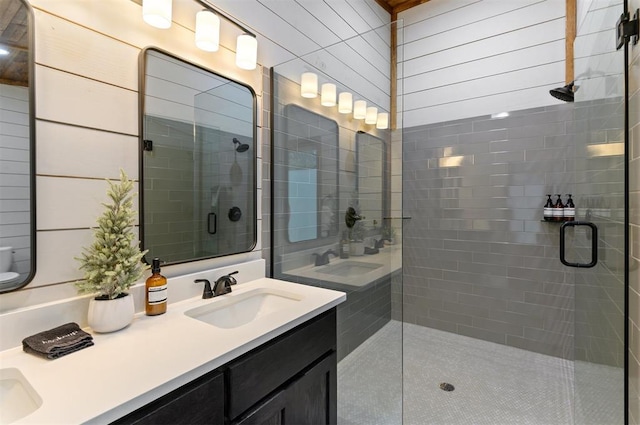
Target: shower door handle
[[594, 243], [212, 223]]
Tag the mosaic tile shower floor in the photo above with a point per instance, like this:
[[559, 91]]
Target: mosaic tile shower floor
[[494, 384]]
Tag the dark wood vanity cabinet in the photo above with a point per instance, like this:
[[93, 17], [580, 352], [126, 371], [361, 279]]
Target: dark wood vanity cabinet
[[291, 379], [309, 399], [198, 402]]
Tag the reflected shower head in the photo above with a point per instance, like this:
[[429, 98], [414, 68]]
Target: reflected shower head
[[564, 93], [241, 147]]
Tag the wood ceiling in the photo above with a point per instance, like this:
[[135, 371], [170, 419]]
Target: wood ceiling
[[396, 6], [14, 37]]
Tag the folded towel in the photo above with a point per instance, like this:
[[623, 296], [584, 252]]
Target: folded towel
[[57, 342]]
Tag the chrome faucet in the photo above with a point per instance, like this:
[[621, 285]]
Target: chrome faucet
[[323, 259], [379, 243], [223, 284]]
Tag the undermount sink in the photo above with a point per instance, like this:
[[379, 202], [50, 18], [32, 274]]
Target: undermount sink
[[235, 310], [17, 397], [348, 268]]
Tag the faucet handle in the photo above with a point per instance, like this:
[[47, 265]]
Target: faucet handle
[[230, 279], [223, 284], [207, 293]]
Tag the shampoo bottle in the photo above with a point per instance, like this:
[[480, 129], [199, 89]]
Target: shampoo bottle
[[344, 246], [156, 291]]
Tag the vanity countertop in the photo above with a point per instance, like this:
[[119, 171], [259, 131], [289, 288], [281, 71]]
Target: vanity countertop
[[156, 354], [353, 272]]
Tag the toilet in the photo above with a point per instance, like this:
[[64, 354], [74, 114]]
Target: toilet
[[6, 258]]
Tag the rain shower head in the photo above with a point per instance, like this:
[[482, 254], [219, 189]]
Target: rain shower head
[[241, 147], [564, 93]]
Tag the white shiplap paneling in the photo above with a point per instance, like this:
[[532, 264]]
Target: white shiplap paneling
[[467, 58], [87, 99], [599, 68], [82, 152]]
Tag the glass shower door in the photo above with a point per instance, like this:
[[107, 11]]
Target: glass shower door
[[333, 219], [599, 188]]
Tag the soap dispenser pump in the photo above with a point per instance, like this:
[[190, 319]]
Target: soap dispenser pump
[[156, 291]]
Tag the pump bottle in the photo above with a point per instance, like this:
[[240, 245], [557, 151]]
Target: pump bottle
[[156, 291]]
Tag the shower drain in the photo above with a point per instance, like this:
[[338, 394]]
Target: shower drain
[[445, 386]]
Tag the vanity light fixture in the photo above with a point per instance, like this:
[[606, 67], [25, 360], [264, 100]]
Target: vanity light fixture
[[207, 31], [371, 116], [383, 121], [359, 109], [308, 85], [328, 95], [345, 103], [247, 51], [3, 51], [157, 13]]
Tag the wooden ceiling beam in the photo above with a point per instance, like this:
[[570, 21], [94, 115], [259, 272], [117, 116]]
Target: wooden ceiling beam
[[570, 37], [408, 4], [385, 5]]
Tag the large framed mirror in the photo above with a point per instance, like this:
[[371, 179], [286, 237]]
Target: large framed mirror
[[198, 161], [371, 182], [311, 160], [17, 146]]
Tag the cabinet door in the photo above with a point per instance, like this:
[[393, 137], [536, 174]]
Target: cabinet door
[[198, 402], [311, 400], [271, 412]]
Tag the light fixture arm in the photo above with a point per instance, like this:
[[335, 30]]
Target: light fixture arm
[[208, 6]]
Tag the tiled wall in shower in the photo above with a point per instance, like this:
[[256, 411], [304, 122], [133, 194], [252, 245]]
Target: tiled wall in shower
[[478, 260]]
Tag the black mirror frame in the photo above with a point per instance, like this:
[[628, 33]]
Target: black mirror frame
[[386, 176], [32, 151], [319, 240], [141, 95]]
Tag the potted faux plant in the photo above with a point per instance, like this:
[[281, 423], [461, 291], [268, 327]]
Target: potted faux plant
[[112, 263], [388, 233]]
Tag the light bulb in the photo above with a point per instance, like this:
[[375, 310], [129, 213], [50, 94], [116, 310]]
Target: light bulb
[[157, 13], [371, 116], [207, 31], [345, 103], [247, 52], [383, 121], [359, 109], [328, 96], [309, 85]]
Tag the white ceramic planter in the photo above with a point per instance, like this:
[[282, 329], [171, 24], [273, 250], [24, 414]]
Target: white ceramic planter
[[110, 315], [356, 248]]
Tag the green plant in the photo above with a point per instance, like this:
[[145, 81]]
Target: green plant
[[356, 233], [112, 263], [388, 232]]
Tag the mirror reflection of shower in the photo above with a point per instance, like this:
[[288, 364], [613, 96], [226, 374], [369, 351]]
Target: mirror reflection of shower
[[240, 147]]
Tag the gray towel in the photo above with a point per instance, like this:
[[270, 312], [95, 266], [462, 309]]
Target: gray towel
[[57, 342]]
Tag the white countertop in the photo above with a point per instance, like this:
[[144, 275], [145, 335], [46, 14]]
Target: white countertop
[[388, 258], [127, 369]]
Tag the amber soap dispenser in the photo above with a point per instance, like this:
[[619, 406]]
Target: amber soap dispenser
[[156, 291]]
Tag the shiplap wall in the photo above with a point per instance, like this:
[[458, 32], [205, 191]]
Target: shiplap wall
[[87, 105], [15, 218], [465, 58], [599, 72]]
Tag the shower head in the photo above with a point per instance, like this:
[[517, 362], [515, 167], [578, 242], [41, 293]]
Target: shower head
[[564, 93], [241, 147]]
